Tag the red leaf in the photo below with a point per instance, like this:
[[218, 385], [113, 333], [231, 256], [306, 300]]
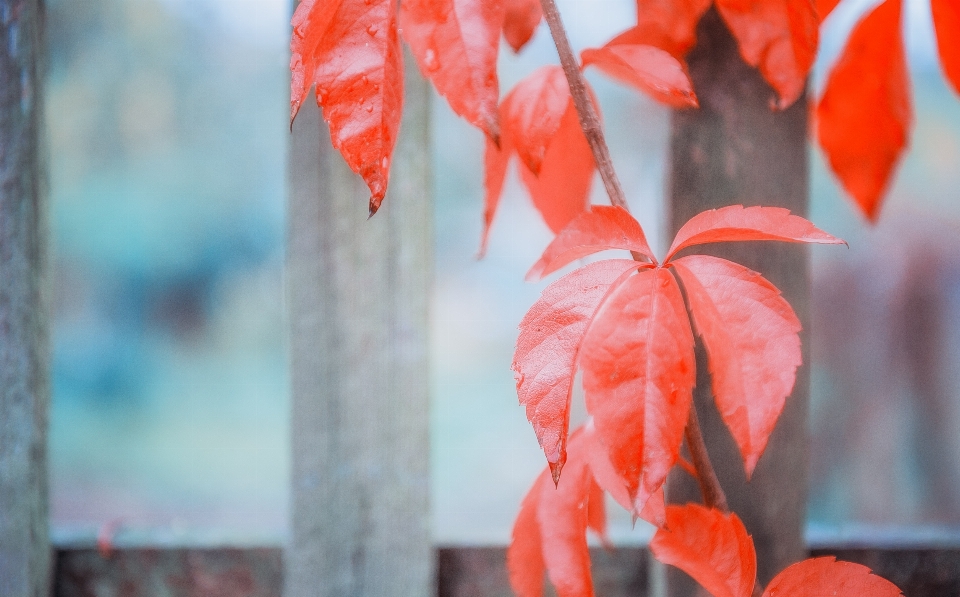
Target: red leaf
[[561, 191], [608, 479], [751, 336], [826, 576], [711, 547], [946, 21], [550, 531], [670, 25], [648, 69], [777, 36], [532, 112], [525, 564], [455, 43], [495, 162], [600, 228], [638, 374], [548, 346], [864, 116], [739, 223], [825, 7], [350, 50], [520, 21]]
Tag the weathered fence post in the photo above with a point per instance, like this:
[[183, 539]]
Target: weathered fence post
[[358, 294], [24, 390], [735, 149]]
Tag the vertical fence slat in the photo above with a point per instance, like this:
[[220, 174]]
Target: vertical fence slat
[[736, 150], [24, 394], [358, 298]]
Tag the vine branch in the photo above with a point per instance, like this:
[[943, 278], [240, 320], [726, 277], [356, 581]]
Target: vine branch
[[589, 120], [713, 495]]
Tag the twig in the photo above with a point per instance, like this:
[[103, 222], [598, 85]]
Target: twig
[[713, 496], [589, 120]]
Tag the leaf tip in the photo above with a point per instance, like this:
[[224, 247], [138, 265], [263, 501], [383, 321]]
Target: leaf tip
[[555, 468]]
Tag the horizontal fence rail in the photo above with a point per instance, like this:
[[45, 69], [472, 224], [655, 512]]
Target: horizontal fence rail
[[461, 571]]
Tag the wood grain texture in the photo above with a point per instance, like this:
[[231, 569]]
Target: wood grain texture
[[736, 150], [24, 390], [358, 293]]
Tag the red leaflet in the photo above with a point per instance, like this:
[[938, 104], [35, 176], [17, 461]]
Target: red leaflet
[[597, 229], [826, 576], [670, 25], [350, 50], [864, 116], [751, 336], [777, 36], [495, 162], [548, 345], [825, 7], [532, 112], [520, 21], [608, 479], [712, 547], [525, 564], [946, 21], [738, 223], [550, 531], [540, 124], [648, 69], [455, 43], [638, 374], [561, 190]]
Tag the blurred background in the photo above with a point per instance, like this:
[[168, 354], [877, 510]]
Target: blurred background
[[167, 133]]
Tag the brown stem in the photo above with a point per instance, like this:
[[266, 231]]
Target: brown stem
[[589, 120], [713, 496]]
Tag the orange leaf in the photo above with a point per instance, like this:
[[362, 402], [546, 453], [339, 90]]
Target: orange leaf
[[825, 7], [350, 50], [646, 68], [739, 223], [600, 228], [711, 547], [520, 21], [864, 116], [561, 190], [670, 25], [455, 43], [826, 576], [777, 36], [751, 336], [545, 361], [638, 375], [946, 21]]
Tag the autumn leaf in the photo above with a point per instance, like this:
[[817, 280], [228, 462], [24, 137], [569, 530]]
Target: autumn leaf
[[712, 547], [548, 346], [864, 116], [551, 530], [826, 576], [646, 68], [520, 21], [825, 7], [540, 125], [638, 375], [753, 345], [739, 223], [349, 50], [779, 37], [670, 25], [455, 43], [597, 229], [946, 22]]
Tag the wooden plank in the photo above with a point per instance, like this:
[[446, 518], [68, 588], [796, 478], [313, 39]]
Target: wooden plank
[[735, 150], [358, 295], [24, 389]]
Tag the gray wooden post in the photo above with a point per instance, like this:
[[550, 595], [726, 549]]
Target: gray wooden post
[[24, 389], [732, 150], [358, 294]]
